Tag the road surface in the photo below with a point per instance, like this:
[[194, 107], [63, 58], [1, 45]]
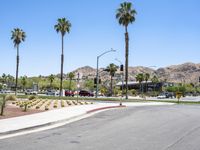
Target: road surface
[[174, 127]]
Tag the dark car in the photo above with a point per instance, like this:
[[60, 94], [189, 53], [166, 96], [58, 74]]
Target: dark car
[[69, 93], [86, 93]]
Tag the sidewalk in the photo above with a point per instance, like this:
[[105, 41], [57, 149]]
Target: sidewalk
[[29, 122]]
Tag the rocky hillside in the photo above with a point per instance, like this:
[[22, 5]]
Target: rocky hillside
[[187, 72]]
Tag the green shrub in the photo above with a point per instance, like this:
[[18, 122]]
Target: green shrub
[[11, 98], [32, 97]]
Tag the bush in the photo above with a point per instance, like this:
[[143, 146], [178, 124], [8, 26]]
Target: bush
[[11, 98], [32, 97]]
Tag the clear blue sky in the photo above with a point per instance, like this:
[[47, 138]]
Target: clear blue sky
[[165, 32]]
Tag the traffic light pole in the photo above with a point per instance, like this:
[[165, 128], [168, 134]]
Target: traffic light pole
[[97, 77]]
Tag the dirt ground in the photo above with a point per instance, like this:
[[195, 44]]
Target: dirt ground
[[13, 111]]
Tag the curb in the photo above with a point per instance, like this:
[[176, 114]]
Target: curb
[[102, 108], [56, 122]]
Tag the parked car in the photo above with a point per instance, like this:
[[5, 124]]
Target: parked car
[[69, 93], [166, 95], [30, 92], [86, 93], [5, 91], [52, 93]]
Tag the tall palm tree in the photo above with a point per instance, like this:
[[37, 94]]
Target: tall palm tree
[[71, 75], [140, 77], [126, 15], [146, 78], [51, 79], [112, 68], [18, 35], [62, 26]]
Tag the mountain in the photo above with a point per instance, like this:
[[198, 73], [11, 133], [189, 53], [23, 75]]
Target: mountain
[[187, 72]]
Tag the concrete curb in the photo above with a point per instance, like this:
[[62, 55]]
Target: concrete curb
[[102, 108], [58, 121]]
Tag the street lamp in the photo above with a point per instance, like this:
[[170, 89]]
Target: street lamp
[[97, 75], [122, 78]]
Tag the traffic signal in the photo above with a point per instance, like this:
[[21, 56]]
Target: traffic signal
[[121, 67], [95, 80], [99, 81]]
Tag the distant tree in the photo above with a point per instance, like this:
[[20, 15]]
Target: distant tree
[[4, 78], [112, 68], [71, 76], [18, 35], [24, 82], [126, 15], [154, 80], [146, 78], [62, 26], [51, 79], [140, 77], [89, 84]]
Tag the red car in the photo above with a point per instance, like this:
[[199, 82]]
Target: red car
[[86, 93], [69, 93]]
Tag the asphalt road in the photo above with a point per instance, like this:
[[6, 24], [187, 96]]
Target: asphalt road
[[175, 127]]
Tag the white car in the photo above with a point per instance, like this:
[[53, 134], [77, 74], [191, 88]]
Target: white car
[[163, 96], [52, 93], [30, 92]]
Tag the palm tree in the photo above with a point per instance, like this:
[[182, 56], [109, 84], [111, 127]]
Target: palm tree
[[62, 26], [146, 78], [140, 77], [112, 68], [18, 35], [24, 81], [71, 75], [126, 15], [4, 78], [154, 80], [51, 79]]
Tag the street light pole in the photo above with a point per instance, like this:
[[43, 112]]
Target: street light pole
[[122, 78], [97, 74]]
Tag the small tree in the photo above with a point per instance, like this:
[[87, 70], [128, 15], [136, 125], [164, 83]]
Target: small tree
[[112, 68], [178, 96]]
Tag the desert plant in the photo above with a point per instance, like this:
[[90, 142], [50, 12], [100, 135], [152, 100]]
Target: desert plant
[[178, 96], [32, 97], [10, 98], [26, 105]]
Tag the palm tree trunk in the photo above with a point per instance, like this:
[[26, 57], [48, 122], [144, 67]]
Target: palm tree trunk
[[146, 86], [17, 70], [126, 60], [70, 82], [61, 72], [111, 86]]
